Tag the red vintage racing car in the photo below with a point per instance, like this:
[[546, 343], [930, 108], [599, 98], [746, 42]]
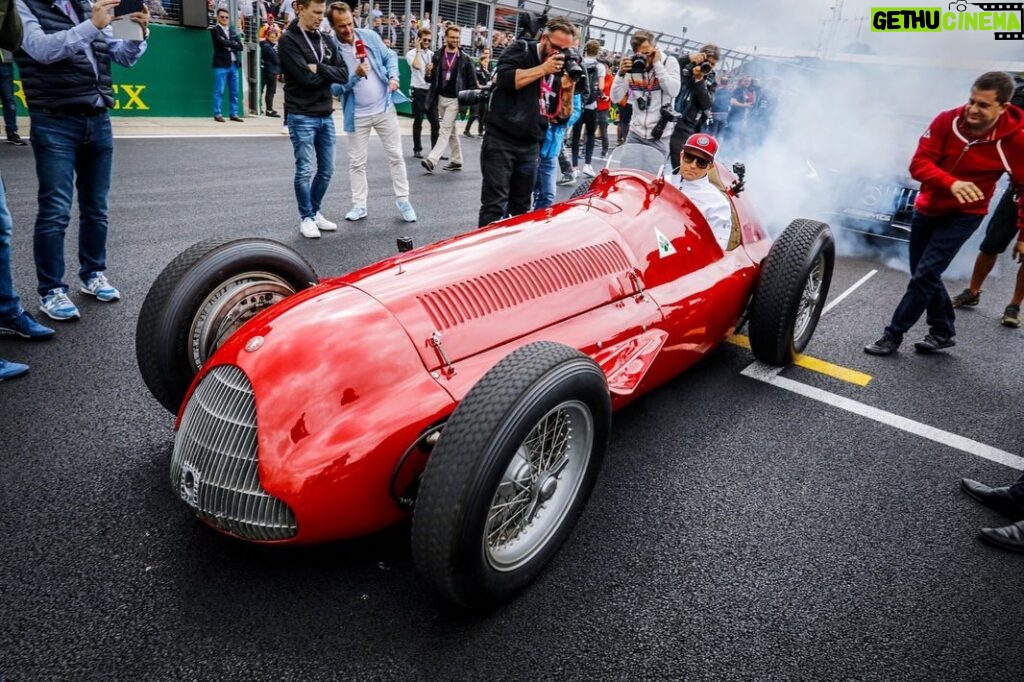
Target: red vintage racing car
[[469, 383]]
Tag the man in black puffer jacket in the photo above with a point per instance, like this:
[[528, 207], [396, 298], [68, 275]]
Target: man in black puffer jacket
[[64, 62]]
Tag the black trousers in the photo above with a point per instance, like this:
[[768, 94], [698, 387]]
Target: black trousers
[[510, 172], [477, 113], [675, 145], [419, 110], [270, 85], [586, 122]]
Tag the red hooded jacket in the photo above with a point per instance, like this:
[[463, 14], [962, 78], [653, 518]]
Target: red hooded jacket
[[945, 154]]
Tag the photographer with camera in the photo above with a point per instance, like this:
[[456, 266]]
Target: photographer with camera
[[696, 96], [527, 96], [651, 81], [450, 72]]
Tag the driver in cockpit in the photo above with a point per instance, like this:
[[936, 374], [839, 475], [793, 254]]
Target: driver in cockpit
[[696, 161]]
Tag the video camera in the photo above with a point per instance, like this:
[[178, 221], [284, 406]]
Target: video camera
[[475, 96]]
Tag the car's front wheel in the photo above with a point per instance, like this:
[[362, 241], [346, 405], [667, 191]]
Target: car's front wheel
[[791, 291], [201, 298], [511, 473]]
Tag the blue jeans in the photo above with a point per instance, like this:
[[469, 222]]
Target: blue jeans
[[71, 151], [311, 134], [544, 188], [227, 75], [7, 98], [934, 242], [10, 306]]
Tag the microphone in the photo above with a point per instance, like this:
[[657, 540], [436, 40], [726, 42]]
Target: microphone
[[360, 51]]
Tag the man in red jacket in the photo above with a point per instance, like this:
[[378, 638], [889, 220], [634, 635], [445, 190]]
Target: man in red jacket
[[958, 161]]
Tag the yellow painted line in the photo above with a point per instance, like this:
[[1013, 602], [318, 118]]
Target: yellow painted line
[[851, 376]]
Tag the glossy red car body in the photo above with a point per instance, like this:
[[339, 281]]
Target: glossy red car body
[[352, 371]]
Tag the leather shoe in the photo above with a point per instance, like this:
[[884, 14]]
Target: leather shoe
[[1008, 537], [932, 343], [218, 119], [238, 119], [884, 346], [997, 499]]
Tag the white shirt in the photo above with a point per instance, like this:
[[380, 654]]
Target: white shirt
[[419, 76], [713, 205], [371, 92]]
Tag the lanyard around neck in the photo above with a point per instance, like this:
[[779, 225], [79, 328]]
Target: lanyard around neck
[[319, 56]]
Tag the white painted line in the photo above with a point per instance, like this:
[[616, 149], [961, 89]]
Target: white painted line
[[849, 291], [196, 137], [769, 375]]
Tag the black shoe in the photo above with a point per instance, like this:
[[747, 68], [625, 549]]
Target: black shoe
[[417, 155], [238, 119], [15, 139], [966, 298], [1008, 537], [468, 134], [428, 164], [996, 499], [273, 114], [453, 167], [933, 343], [884, 346], [218, 118]]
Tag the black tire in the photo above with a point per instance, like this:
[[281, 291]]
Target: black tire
[[480, 445], [787, 304], [581, 188], [170, 349]]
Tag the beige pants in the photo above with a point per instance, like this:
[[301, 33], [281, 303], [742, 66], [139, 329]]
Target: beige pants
[[386, 125], [447, 112]]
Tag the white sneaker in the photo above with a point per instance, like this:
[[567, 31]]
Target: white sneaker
[[309, 229], [588, 171], [575, 174], [324, 224], [284, 130]]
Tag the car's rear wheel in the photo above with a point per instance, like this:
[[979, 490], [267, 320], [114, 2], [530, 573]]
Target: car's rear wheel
[[511, 473], [791, 292], [201, 298]]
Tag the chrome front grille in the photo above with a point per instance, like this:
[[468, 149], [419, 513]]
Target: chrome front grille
[[215, 468]]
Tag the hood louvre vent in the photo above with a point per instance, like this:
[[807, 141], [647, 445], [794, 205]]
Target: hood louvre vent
[[475, 298]]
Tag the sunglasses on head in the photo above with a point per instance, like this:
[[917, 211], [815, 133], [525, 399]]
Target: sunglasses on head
[[692, 158]]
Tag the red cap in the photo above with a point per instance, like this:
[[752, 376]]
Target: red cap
[[703, 144]]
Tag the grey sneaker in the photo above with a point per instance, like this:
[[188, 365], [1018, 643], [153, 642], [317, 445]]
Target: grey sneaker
[[966, 298], [58, 306], [98, 286]]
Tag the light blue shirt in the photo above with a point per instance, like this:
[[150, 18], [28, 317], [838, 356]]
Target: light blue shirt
[[384, 63], [47, 48]]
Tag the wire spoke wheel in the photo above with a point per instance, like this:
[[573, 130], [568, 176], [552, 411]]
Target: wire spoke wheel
[[228, 307], [539, 486], [810, 296]]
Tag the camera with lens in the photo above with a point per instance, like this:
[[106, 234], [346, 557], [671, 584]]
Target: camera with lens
[[572, 64], [668, 115], [475, 96], [639, 63], [703, 68]]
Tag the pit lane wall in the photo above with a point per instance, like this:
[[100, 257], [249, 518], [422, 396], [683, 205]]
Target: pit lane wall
[[173, 78]]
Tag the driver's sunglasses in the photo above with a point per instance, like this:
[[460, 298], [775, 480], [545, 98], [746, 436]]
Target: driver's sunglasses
[[691, 158]]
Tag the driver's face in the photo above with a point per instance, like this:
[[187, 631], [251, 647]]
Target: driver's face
[[689, 169]]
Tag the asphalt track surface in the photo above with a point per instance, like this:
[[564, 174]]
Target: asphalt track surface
[[737, 531]]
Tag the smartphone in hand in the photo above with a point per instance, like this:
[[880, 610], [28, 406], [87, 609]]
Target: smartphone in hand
[[128, 7]]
